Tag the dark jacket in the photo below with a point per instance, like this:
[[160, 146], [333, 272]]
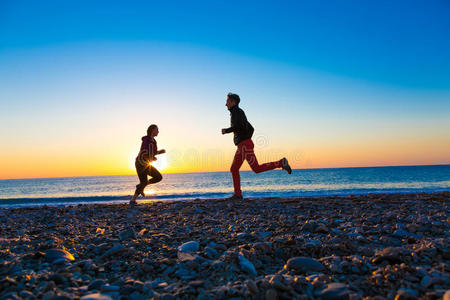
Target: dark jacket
[[241, 128], [148, 150]]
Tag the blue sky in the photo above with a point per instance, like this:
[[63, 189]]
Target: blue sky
[[395, 42], [369, 81]]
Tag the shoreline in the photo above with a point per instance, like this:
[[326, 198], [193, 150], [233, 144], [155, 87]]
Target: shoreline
[[123, 199], [332, 247]]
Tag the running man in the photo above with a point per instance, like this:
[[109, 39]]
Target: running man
[[243, 132], [146, 155]]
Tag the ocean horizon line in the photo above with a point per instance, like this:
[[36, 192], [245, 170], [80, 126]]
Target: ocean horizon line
[[199, 172]]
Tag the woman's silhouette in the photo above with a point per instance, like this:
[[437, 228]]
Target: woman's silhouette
[[146, 155]]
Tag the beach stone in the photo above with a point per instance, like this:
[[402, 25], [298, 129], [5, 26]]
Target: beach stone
[[96, 284], [406, 294], [197, 283], [217, 229], [304, 264], [57, 278], [127, 234], [243, 235], [183, 257], [265, 234], [56, 255], [61, 297], [321, 228], [109, 288], [136, 296], [390, 254], [252, 287], [166, 297], [26, 294], [425, 282], [446, 295], [309, 226], [277, 283], [210, 252], [96, 296], [142, 232], [246, 265], [10, 296], [116, 249], [400, 233], [335, 291], [271, 294], [313, 243], [191, 246]]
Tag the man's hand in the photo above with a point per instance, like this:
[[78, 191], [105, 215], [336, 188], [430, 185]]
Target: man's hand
[[224, 131], [161, 151]]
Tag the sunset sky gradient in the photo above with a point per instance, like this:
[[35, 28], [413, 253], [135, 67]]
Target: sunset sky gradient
[[324, 83]]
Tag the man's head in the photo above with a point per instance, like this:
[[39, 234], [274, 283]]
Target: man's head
[[152, 130], [232, 100]]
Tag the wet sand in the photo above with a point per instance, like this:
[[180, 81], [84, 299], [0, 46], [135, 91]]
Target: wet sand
[[385, 246]]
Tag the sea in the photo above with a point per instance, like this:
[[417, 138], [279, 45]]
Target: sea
[[217, 185]]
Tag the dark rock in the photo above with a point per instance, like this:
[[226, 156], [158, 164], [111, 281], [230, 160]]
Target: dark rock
[[392, 255], [127, 234], [271, 294], [53, 255], [96, 284], [10, 296], [61, 297], [114, 250], [406, 295], [335, 291], [304, 265]]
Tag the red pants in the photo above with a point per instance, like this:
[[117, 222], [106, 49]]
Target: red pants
[[245, 151]]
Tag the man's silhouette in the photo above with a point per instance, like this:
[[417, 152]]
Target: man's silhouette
[[243, 132]]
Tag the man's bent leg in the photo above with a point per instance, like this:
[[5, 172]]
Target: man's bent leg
[[250, 156]]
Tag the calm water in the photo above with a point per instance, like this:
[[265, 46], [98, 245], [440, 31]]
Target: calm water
[[312, 182]]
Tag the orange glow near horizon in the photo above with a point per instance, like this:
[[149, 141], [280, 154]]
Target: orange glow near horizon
[[320, 155]]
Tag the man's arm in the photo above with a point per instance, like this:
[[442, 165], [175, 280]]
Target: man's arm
[[227, 130], [237, 123]]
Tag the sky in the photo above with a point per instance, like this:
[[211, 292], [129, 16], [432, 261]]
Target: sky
[[325, 83]]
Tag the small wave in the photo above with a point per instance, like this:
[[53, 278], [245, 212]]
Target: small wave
[[74, 200], [101, 199]]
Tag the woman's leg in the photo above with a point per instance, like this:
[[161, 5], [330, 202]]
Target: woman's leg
[[156, 176], [142, 173]]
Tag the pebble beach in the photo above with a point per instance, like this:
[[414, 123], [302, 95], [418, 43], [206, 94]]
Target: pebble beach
[[376, 246]]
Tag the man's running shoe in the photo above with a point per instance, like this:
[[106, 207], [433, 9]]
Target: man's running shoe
[[286, 166], [235, 197]]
